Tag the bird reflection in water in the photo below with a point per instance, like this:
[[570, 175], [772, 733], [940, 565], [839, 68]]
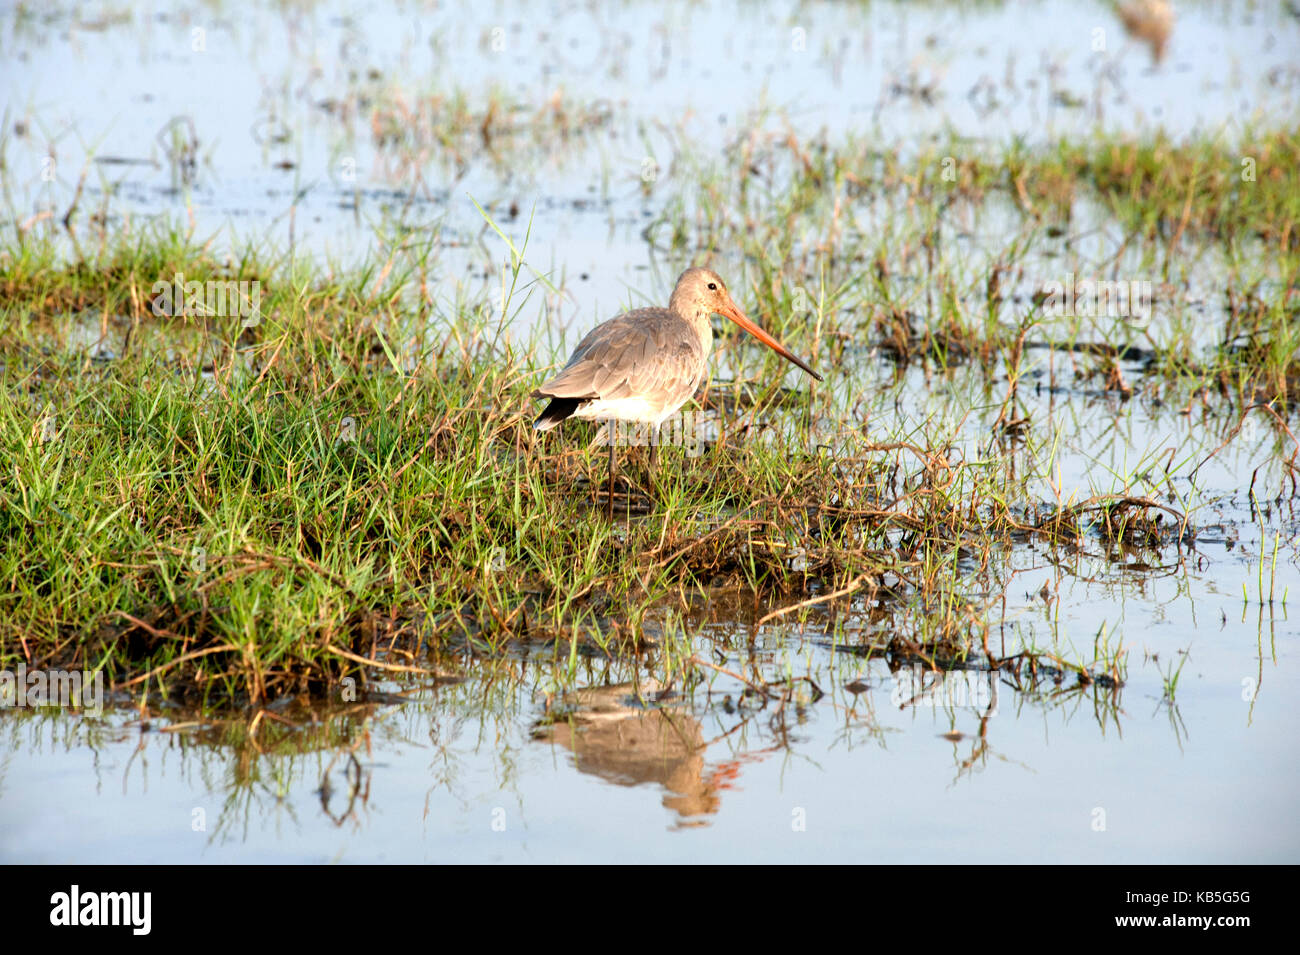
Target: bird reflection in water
[[624, 735]]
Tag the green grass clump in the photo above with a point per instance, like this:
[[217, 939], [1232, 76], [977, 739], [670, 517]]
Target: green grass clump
[[254, 510]]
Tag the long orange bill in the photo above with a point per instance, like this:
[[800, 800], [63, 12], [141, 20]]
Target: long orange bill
[[736, 315]]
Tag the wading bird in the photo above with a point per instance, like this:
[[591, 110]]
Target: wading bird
[[643, 365], [1150, 21]]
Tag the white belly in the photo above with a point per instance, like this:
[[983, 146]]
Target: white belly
[[643, 410]]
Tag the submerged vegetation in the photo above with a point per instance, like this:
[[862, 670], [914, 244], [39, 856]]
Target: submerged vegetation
[[1208, 230]]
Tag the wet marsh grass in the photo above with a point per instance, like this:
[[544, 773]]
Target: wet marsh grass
[[351, 488], [887, 243]]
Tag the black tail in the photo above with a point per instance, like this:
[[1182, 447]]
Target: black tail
[[557, 411]]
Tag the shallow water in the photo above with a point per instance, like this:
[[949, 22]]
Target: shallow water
[[873, 764], [470, 772]]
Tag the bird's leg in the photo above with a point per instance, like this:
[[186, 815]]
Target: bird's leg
[[610, 508], [652, 469]]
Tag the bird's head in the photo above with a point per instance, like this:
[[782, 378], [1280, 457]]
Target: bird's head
[[701, 293]]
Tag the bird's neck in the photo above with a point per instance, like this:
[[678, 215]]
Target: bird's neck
[[704, 330], [698, 319]]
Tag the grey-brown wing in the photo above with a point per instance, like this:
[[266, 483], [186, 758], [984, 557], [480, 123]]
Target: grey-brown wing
[[648, 352]]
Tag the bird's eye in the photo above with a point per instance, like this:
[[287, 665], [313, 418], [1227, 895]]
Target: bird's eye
[[713, 286]]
